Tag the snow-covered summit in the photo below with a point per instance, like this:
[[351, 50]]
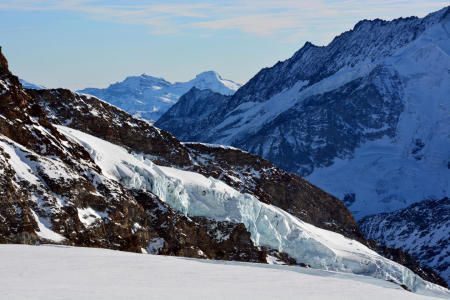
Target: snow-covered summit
[[211, 80], [364, 117], [149, 97]]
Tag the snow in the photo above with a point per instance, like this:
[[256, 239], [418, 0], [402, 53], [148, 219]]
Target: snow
[[45, 232], [61, 272], [19, 162], [150, 97], [28, 85], [196, 195], [29, 170], [88, 215], [155, 245], [383, 174]]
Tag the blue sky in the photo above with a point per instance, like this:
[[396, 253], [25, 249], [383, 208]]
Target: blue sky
[[81, 43]]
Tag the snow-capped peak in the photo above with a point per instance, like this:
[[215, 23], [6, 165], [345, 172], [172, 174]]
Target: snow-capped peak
[[149, 97], [365, 117], [213, 81]]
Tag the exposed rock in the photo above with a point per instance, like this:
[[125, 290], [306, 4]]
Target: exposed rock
[[422, 229]]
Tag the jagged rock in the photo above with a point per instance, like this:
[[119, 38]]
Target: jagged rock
[[361, 118], [421, 229]]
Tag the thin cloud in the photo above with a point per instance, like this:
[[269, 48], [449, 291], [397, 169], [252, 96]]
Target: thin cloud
[[287, 18]]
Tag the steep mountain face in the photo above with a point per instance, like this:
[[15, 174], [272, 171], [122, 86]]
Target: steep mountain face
[[364, 118], [61, 184], [194, 112], [422, 229], [149, 97]]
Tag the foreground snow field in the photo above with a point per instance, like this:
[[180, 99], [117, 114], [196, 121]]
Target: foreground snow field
[[60, 272]]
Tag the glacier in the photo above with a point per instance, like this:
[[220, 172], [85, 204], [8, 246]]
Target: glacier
[[196, 195]]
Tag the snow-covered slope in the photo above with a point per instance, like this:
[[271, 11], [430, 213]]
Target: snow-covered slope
[[149, 97], [196, 195], [365, 118], [422, 229], [55, 272]]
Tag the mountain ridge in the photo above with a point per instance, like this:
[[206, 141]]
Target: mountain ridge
[[334, 113], [66, 185], [422, 229]]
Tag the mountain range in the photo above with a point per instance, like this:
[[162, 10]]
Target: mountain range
[[365, 117], [78, 171], [149, 97]]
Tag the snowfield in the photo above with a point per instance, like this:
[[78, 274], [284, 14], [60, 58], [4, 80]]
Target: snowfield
[[196, 195], [60, 272]]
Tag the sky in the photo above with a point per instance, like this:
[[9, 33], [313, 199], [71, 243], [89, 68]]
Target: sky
[[86, 43]]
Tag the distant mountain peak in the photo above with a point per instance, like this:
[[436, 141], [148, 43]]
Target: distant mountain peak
[[209, 74], [149, 97]]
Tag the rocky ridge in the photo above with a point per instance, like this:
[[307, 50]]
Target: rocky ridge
[[422, 229], [364, 118]]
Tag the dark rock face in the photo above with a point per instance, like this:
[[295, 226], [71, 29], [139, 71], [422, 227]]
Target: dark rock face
[[330, 125], [422, 229], [3, 63], [194, 112], [110, 123]]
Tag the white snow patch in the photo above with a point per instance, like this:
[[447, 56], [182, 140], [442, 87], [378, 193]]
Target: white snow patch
[[60, 272], [45, 231], [88, 216]]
